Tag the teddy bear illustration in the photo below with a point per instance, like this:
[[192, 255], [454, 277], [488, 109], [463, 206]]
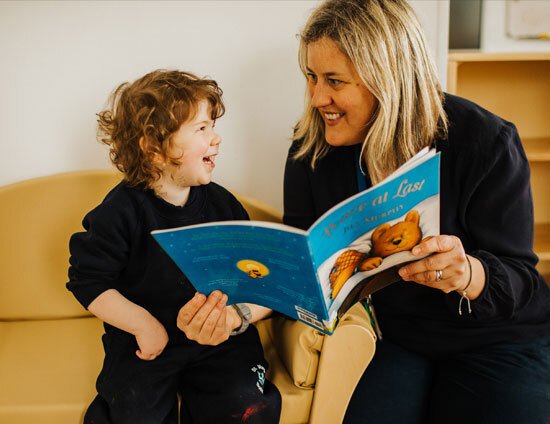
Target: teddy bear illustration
[[386, 240]]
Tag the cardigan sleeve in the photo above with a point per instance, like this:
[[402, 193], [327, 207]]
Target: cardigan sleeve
[[299, 210], [499, 219]]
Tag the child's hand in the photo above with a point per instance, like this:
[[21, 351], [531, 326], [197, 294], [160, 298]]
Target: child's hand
[[151, 339], [208, 321]]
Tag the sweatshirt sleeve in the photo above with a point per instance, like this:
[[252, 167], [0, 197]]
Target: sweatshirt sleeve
[[99, 254], [499, 218]]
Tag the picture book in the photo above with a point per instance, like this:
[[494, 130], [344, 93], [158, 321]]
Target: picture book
[[316, 275]]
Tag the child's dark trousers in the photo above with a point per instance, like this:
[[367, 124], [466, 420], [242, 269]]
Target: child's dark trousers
[[217, 384]]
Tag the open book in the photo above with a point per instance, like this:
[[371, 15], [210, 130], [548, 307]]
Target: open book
[[315, 275]]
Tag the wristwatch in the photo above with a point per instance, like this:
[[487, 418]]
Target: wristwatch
[[244, 312]]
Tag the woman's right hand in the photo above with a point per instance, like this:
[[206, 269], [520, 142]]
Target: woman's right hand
[[151, 338]]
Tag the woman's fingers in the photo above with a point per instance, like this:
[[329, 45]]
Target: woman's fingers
[[221, 330], [202, 314], [213, 318], [442, 243], [203, 319], [443, 269], [427, 266], [188, 311]]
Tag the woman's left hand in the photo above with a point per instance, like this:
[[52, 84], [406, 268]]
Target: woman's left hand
[[446, 269], [207, 320]]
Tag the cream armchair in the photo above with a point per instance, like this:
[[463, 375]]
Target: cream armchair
[[50, 349]]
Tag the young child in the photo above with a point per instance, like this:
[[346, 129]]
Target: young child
[[161, 337]]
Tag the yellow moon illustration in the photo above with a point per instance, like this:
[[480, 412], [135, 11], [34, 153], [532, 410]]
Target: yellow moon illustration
[[253, 269]]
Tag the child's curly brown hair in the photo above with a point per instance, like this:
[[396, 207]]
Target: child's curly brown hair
[[143, 115]]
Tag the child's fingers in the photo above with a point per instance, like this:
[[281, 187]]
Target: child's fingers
[[148, 356], [142, 356]]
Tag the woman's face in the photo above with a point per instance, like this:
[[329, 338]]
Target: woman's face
[[337, 92]]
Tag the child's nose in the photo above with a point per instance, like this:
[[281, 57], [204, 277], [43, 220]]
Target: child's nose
[[216, 140]]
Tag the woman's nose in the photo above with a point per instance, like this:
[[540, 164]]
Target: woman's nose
[[319, 96]]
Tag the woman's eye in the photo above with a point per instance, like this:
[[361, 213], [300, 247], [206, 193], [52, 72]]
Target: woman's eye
[[312, 77], [334, 82]]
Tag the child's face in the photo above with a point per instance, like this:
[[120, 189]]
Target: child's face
[[195, 145]]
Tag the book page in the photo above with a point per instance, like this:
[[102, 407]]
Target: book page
[[263, 264], [342, 240]]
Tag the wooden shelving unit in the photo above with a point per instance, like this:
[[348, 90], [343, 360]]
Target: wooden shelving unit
[[515, 86]]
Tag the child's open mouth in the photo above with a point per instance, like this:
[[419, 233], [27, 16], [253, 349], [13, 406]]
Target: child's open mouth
[[209, 160]]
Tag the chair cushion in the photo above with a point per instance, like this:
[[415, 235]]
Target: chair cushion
[[48, 369]]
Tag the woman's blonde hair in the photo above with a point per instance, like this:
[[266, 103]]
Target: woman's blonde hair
[[143, 115], [385, 43]]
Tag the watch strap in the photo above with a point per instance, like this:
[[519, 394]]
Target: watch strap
[[244, 312]]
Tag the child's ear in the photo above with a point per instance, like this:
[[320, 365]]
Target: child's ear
[[144, 146], [149, 153]]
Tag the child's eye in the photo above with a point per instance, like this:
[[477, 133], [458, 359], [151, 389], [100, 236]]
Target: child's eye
[[202, 128]]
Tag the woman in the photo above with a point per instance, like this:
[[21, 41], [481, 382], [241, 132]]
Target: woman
[[466, 334]]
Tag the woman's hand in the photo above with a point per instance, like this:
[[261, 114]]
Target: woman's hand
[[208, 320], [151, 339], [446, 268]]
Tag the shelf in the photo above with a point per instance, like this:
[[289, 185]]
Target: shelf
[[515, 86], [537, 149], [542, 241], [476, 56]]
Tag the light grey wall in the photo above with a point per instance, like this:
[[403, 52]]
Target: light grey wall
[[59, 60], [532, 15]]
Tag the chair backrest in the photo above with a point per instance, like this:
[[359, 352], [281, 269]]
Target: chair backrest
[[37, 218], [259, 211]]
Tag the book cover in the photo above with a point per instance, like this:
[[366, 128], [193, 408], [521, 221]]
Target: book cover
[[315, 275]]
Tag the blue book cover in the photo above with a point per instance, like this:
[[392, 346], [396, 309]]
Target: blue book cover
[[315, 275]]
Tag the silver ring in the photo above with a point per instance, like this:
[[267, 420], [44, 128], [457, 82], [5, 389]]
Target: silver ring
[[438, 274]]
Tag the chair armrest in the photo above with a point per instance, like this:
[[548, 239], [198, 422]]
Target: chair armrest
[[292, 350], [297, 345], [344, 358]]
